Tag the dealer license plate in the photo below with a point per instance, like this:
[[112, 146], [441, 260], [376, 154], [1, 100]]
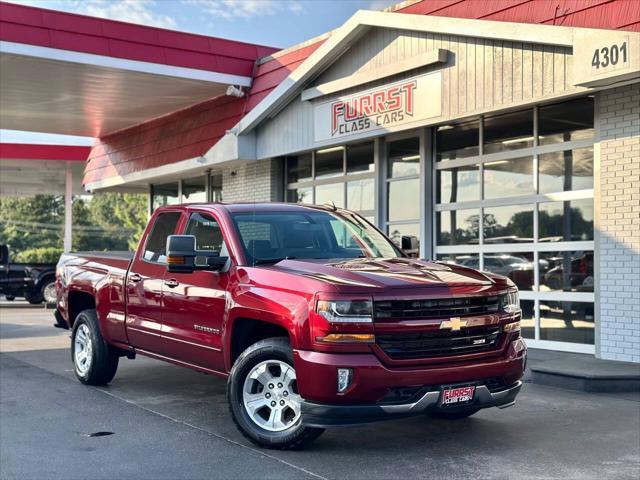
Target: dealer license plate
[[457, 395]]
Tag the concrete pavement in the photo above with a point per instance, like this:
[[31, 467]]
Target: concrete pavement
[[173, 423]]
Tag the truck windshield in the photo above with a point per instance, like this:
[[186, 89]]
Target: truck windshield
[[269, 237]]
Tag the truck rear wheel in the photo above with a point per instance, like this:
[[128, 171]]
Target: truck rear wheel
[[94, 361], [263, 397]]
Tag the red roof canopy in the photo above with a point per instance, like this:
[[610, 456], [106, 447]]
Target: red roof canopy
[[81, 33]]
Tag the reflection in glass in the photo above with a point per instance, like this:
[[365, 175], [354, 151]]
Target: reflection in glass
[[512, 224], [458, 184], [518, 266], [404, 200], [528, 321], [508, 178], [301, 195], [329, 162], [330, 193], [566, 221], [216, 187], [566, 121], [299, 168], [567, 322], [508, 131], [457, 227], [165, 194], [468, 260], [361, 195], [565, 171], [457, 141], [397, 231], [194, 190], [404, 158], [567, 271], [360, 158]]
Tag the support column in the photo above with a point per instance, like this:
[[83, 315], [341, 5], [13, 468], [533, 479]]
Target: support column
[[68, 209]]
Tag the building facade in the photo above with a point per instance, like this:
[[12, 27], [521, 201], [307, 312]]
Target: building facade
[[509, 147]]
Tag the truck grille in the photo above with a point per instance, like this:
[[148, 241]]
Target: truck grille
[[438, 343], [436, 308]]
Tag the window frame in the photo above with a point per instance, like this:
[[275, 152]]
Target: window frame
[[344, 178]]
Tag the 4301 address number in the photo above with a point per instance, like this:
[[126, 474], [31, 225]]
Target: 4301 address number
[[605, 56]]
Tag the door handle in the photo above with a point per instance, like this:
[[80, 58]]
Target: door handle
[[171, 282], [134, 277]]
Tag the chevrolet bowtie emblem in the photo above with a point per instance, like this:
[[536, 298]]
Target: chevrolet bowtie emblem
[[454, 323]]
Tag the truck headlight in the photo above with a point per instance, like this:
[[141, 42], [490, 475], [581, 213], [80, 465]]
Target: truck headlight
[[345, 311], [510, 302], [343, 323]]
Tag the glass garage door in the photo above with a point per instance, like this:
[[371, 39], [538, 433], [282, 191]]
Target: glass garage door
[[514, 195]]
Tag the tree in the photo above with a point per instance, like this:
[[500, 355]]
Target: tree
[[34, 226], [29, 222]]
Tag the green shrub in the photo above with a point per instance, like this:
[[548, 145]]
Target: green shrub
[[38, 255]]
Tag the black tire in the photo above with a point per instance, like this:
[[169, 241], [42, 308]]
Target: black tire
[[104, 361], [454, 414], [10, 298], [33, 297], [296, 436]]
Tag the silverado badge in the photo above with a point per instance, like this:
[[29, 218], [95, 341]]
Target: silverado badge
[[454, 323]]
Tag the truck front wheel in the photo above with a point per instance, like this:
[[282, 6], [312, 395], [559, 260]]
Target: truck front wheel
[[263, 397], [94, 360]]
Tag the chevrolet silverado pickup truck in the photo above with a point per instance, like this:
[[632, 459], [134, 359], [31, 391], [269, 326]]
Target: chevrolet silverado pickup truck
[[315, 318]]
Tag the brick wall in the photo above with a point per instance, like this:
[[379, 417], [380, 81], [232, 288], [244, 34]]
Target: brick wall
[[259, 181], [618, 237]]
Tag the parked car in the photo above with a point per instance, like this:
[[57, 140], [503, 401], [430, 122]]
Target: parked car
[[33, 281], [311, 329], [517, 268], [580, 272]]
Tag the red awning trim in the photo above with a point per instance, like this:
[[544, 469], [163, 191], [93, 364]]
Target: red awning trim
[[80, 33], [30, 151], [188, 133]]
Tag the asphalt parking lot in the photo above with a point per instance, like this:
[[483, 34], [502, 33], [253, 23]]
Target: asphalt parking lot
[[167, 422]]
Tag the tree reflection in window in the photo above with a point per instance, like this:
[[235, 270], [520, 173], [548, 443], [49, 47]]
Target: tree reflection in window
[[512, 224]]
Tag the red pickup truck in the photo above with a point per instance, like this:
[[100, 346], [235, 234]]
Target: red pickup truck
[[315, 318]]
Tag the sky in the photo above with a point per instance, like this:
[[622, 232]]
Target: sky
[[275, 23]]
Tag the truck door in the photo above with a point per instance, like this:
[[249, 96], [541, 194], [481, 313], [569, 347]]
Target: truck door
[[194, 303], [144, 285]]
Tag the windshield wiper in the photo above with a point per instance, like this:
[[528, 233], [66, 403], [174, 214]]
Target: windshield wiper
[[271, 261]]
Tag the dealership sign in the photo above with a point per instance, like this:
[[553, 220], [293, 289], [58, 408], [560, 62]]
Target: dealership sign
[[378, 109]]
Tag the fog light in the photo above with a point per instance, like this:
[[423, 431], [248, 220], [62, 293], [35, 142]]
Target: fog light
[[344, 379]]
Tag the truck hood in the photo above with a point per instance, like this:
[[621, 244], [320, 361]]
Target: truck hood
[[385, 272]]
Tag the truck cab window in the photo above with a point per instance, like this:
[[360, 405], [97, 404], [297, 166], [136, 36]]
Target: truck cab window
[[207, 232], [156, 247]]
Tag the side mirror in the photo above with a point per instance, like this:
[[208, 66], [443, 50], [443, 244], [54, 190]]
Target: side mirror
[[182, 256], [410, 245], [4, 254]]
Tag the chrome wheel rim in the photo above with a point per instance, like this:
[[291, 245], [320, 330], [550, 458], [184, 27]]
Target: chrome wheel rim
[[270, 396], [49, 293], [83, 350]]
